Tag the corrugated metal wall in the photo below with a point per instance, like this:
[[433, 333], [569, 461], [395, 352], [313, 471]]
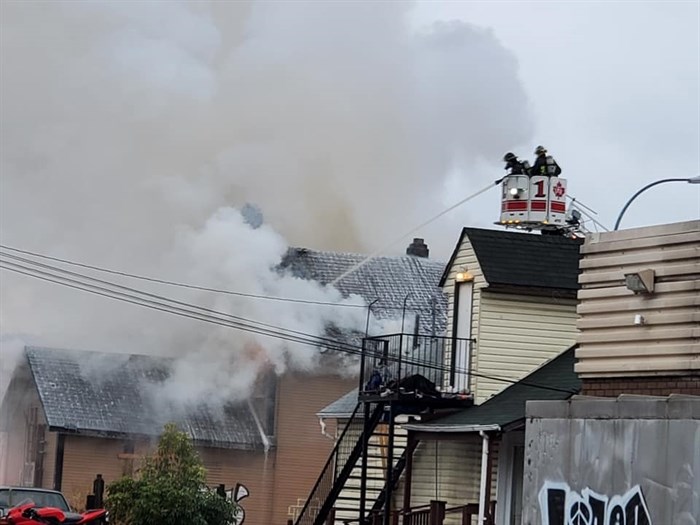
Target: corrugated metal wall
[[611, 344], [517, 333]]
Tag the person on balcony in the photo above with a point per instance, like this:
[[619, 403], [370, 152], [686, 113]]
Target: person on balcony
[[544, 165]]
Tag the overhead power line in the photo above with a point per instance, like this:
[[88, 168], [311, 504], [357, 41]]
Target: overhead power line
[[204, 288], [208, 315], [175, 283], [393, 243]]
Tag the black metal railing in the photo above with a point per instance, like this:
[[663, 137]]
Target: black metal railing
[[393, 359], [338, 467]]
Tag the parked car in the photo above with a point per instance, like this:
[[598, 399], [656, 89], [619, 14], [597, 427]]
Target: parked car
[[11, 496]]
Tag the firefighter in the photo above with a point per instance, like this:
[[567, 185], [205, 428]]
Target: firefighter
[[545, 165], [515, 166]]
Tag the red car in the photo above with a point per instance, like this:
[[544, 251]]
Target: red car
[[25, 505]]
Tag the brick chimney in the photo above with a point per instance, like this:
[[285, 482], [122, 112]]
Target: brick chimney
[[418, 248]]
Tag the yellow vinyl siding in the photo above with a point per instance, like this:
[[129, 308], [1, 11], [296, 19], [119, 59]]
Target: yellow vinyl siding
[[517, 333], [668, 342], [456, 467], [464, 262]]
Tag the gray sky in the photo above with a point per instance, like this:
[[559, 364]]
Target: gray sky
[[130, 129], [615, 91]]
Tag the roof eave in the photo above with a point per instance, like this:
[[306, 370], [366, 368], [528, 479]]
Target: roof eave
[[449, 264], [104, 434], [453, 429]]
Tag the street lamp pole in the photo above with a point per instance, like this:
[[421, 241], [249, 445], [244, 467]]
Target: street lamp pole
[[691, 180]]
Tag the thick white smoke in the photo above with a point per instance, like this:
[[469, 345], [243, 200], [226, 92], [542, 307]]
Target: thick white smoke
[[131, 133]]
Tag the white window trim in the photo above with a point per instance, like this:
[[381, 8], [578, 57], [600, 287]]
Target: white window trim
[[505, 474], [463, 307]]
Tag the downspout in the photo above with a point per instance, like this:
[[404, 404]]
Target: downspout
[[322, 423], [484, 475], [263, 435]]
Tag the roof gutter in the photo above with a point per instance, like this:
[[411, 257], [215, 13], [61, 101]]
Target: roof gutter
[[446, 429]]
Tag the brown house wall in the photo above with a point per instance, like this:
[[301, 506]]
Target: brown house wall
[[277, 480], [651, 386], [302, 450], [83, 458]]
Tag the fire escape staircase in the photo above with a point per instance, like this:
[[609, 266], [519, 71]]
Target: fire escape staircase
[[336, 496]]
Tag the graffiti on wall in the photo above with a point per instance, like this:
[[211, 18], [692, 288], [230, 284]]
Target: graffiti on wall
[[236, 495], [560, 505]]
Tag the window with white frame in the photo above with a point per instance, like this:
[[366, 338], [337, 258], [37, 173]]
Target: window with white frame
[[511, 461], [464, 294]]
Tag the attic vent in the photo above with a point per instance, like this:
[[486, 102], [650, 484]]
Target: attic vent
[[418, 248]]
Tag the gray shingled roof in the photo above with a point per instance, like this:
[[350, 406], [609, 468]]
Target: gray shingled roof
[[523, 259], [556, 375], [115, 402], [389, 279], [341, 408]]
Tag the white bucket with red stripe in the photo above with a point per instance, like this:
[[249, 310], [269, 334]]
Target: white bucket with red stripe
[[533, 202]]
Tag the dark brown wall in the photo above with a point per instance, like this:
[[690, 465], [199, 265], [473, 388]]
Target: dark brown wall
[[651, 386], [276, 480], [301, 448]]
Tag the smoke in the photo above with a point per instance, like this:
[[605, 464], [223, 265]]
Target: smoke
[[132, 132]]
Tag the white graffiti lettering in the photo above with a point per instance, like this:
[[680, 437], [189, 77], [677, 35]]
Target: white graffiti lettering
[[559, 505]]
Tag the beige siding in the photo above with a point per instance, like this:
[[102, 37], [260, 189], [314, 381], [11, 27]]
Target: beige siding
[[465, 262], [49, 460], [253, 469], [83, 458], [302, 450], [668, 342], [448, 471], [517, 333]]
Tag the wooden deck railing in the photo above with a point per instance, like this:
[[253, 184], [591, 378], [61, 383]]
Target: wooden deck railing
[[434, 514]]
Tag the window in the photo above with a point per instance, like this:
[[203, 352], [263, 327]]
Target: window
[[462, 331], [511, 463]]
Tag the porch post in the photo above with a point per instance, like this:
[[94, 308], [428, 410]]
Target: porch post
[[483, 494], [389, 466], [437, 512], [408, 476], [487, 499]]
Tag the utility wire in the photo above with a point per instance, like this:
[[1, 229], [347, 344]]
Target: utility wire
[[199, 287], [301, 338], [154, 296], [71, 283], [378, 252], [175, 283]]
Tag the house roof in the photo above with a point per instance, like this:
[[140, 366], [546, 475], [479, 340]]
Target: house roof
[[523, 259], [508, 406], [341, 408], [108, 395], [388, 279]]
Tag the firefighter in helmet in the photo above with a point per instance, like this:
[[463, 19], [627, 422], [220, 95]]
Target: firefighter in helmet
[[545, 165], [516, 167]]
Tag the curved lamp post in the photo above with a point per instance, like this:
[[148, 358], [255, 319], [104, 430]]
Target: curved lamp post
[[691, 180]]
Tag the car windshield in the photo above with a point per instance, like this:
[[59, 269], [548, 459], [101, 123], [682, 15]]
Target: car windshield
[[12, 497]]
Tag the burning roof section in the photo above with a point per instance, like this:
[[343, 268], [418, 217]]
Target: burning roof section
[[388, 280], [111, 395]]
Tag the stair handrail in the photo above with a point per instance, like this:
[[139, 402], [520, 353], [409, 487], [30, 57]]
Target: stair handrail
[[395, 474], [340, 477]]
